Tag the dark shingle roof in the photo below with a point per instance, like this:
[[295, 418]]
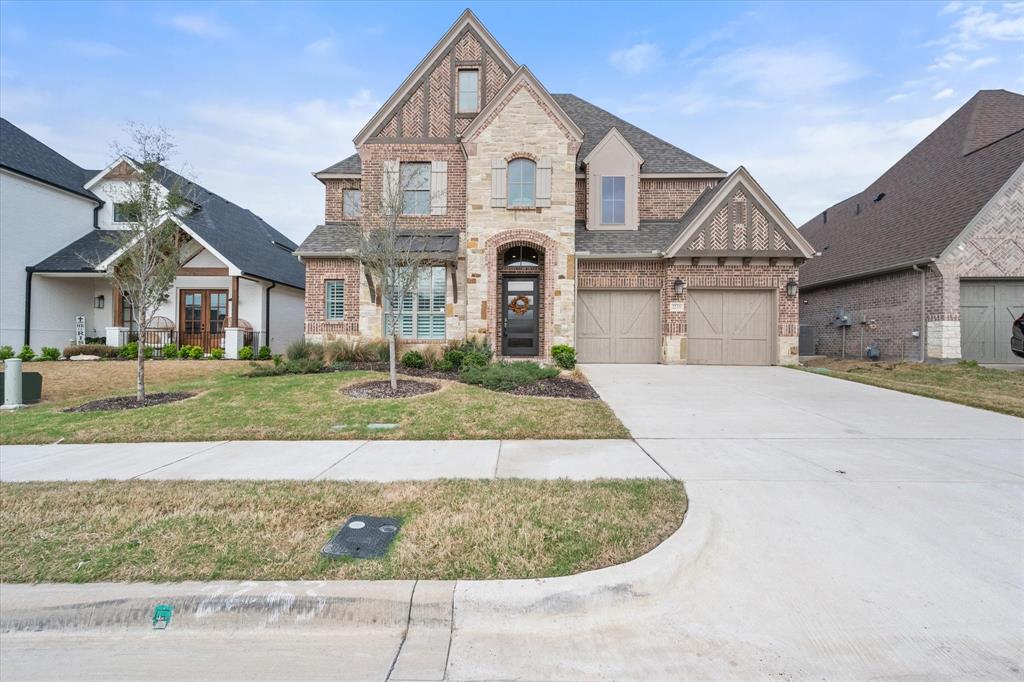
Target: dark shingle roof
[[85, 253], [931, 194], [240, 235], [652, 238], [22, 153], [659, 156], [351, 165], [339, 238]]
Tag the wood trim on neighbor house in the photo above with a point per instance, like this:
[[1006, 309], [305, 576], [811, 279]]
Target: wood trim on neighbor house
[[202, 272]]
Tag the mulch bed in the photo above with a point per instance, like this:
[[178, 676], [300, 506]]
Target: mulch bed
[[558, 387], [382, 389], [128, 402]]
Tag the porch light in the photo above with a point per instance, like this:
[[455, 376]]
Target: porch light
[[679, 286], [98, 303], [791, 287]]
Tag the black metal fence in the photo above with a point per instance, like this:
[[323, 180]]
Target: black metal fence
[[157, 340]]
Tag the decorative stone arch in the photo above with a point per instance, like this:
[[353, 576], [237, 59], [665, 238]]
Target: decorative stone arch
[[549, 252]]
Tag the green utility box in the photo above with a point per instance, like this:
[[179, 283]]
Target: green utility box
[[31, 387]]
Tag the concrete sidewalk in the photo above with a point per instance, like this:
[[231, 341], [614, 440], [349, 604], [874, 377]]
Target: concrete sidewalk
[[353, 460]]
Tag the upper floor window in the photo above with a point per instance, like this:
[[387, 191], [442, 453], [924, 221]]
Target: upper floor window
[[469, 91], [522, 175], [334, 299], [350, 203], [613, 200], [124, 213], [415, 185]]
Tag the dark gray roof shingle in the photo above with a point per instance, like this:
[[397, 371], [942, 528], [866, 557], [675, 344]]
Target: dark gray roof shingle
[[652, 238], [22, 153], [333, 239], [351, 165], [659, 156], [931, 194], [85, 253]]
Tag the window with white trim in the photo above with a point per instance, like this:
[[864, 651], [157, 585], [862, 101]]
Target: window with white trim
[[415, 186], [334, 299], [124, 213], [522, 182], [421, 313], [351, 200], [469, 91], [613, 200]]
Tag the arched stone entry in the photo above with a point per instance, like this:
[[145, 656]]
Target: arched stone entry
[[520, 267]]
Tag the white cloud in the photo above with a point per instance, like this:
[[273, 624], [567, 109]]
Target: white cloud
[[323, 47], [636, 59], [198, 25], [982, 61], [978, 24], [945, 93], [92, 48], [795, 70], [898, 97]]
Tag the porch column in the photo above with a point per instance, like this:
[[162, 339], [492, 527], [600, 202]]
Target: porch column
[[117, 336], [234, 339], [233, 320]]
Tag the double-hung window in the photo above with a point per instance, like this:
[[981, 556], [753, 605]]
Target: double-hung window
[[351, 200], [415, 185], [613, 200], [420, 314], [469, 91], [522, 182], [334, 299]]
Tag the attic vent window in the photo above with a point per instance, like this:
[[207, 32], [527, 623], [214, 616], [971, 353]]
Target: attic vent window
[[858, 209], [824, 217], [881, 195]]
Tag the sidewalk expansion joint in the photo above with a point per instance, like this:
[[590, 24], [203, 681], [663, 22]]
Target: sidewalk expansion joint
[[405, 632], [180, 459], [651, 457], [343, 458]]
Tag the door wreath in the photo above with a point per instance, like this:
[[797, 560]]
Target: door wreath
[[519, 305]]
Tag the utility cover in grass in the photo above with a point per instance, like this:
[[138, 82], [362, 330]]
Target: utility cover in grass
[[362, 537]]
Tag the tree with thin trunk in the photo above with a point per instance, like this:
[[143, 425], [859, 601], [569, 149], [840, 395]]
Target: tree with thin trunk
[[150, 242], [392, 259]]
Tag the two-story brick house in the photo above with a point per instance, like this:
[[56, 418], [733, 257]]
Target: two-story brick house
[[553, 222]]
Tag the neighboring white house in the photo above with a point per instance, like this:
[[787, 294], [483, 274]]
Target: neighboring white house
[[55, 224]]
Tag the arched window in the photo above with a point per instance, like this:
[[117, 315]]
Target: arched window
[[522, 174], [521, 257]]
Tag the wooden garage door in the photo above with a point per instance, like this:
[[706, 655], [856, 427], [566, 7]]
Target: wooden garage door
[[986, 310], [730, 328], [618, 326]]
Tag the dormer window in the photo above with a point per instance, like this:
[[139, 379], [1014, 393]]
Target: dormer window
[[522, 177], [469, 91], [613, 200], [125, 213], [351, 200]]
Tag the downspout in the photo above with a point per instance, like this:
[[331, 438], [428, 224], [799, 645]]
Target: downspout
[[96, 216], [924, 324], [266, 312], [28, 303]]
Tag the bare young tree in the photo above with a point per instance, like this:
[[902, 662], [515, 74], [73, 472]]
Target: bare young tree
[[150, 243], [393, 259]]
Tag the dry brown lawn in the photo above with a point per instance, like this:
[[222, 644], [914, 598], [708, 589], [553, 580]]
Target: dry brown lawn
[[213, 530]]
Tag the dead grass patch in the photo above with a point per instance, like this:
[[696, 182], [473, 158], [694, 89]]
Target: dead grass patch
[[273, 530]]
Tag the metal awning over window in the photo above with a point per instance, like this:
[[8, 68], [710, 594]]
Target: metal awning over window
[[441, 246]]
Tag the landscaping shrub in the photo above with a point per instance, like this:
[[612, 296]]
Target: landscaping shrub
[[453, 357], [431, 356], [413, 359], [195, 352], [303, 366], [169, 351], [26, 353], [245, 353], [217, 353], [564, 356], [352, 351], [305, 350], [278, 360], [476, 345], [100, 350], [444, 365], [968, 363], [475, 359], [264, 353], [49, 353], [505, 376], [6, 352], [129, 350]]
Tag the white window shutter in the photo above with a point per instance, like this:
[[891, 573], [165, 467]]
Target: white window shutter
[[499, 183], [438, 187], [543, 197], [390, 194]]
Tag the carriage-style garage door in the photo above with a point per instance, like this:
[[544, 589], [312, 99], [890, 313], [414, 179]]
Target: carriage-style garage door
[[986, 311], [730, 328], [618, 326]]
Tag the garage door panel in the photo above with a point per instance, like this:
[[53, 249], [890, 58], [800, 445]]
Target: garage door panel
[[705, 352], [729, 327], [986, 310], [618, 326]]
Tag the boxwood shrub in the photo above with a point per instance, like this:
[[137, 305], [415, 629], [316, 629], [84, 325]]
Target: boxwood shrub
[[505, 376]]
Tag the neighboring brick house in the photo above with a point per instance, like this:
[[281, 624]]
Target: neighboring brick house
[[553, 222], [927, 263]]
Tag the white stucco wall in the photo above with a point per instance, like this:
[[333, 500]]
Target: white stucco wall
[[287, 311], [57, 300], [36, 220]]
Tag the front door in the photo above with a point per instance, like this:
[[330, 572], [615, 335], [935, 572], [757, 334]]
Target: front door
[[202, 316], [519, 328]]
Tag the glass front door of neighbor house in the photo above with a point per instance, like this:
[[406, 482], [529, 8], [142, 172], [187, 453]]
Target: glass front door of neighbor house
[[202, 317], [519, 321]]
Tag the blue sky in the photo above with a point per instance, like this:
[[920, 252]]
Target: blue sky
[[816, 99]]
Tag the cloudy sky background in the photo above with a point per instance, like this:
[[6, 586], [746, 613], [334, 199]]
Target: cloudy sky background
[[815, 99]]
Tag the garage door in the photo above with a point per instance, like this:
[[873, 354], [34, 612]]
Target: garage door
[[986, 310], [618, 326], [730, 328]]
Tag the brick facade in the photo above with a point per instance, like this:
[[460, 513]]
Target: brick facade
[[373, 157], [669, 198], [334, 197], [318, 272]]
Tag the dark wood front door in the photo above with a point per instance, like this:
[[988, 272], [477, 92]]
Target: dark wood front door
[[202, 315], [519, 319]]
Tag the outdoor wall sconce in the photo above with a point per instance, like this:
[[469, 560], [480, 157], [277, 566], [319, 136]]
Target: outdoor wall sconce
[[98, 303], [791, 287], [679, 286]]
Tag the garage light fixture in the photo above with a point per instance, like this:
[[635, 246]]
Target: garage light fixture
[[791, 287], [679, 286]]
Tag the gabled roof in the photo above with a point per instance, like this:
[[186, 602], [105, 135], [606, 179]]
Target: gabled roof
[[613, 135], [24, 154], [81, 255], [649, 240], [342, 239], [915, 210], [659, 156], [350, 165], [522, 77]]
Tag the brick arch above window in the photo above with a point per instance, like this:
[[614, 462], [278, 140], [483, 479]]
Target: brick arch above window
[[520, 155]]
